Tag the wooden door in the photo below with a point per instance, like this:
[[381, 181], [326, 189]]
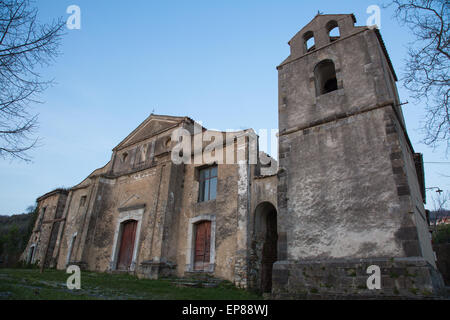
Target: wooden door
[[126, 245], [202, 245]]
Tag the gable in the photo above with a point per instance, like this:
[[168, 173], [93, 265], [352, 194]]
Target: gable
[[149, 128], [319, 22]]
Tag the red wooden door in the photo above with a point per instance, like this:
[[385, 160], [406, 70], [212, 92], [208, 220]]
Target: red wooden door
[[126, 245], [202, 245]]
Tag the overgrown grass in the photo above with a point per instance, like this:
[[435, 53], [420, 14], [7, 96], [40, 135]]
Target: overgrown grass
[[29, 284]]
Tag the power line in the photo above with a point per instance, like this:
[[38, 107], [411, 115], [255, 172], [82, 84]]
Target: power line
[[438, 162]]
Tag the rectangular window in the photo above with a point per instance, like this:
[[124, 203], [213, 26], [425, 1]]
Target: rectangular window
[[208, 184], [41, 218], [82, 201]]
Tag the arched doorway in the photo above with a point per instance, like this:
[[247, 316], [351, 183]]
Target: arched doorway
[[266, 237], [126, 249]]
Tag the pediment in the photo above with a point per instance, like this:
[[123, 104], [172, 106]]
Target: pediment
[[152, 126], [131, 201]]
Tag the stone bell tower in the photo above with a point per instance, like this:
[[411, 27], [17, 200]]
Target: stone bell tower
[[350, 186]]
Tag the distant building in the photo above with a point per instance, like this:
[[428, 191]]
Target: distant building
[[444, 220]]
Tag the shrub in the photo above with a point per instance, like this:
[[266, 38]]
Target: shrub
[[442, 234]]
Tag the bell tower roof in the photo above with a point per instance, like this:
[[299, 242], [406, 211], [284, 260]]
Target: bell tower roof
[[320, 20], [316, 36]]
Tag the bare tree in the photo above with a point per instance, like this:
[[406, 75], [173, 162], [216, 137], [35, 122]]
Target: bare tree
[[427, 67], [25, 46], [440, 204]]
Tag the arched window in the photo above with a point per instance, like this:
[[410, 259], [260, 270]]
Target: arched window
[[333, 30], [310, 44], [325, 77]]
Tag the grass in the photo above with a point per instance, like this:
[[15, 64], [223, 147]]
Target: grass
[[30, 284], [394, 275], [314, 290]]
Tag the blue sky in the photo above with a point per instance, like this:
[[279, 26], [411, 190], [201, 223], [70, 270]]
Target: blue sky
[[211, 60]]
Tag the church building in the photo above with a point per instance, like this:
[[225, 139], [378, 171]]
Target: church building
[[346, 195]]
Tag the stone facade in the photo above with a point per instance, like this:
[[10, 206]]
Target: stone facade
[[141, 183], [348, 191]]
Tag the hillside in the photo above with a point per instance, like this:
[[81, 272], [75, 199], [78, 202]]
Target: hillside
[[14, 234]]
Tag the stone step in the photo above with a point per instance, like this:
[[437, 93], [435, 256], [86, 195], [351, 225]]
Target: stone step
[[196, 283]]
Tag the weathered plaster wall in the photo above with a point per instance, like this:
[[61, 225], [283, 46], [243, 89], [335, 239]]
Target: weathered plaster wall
[[336, 173], [341, 195], [224, 208], [407, 178], [360, 79], [75, 214]]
